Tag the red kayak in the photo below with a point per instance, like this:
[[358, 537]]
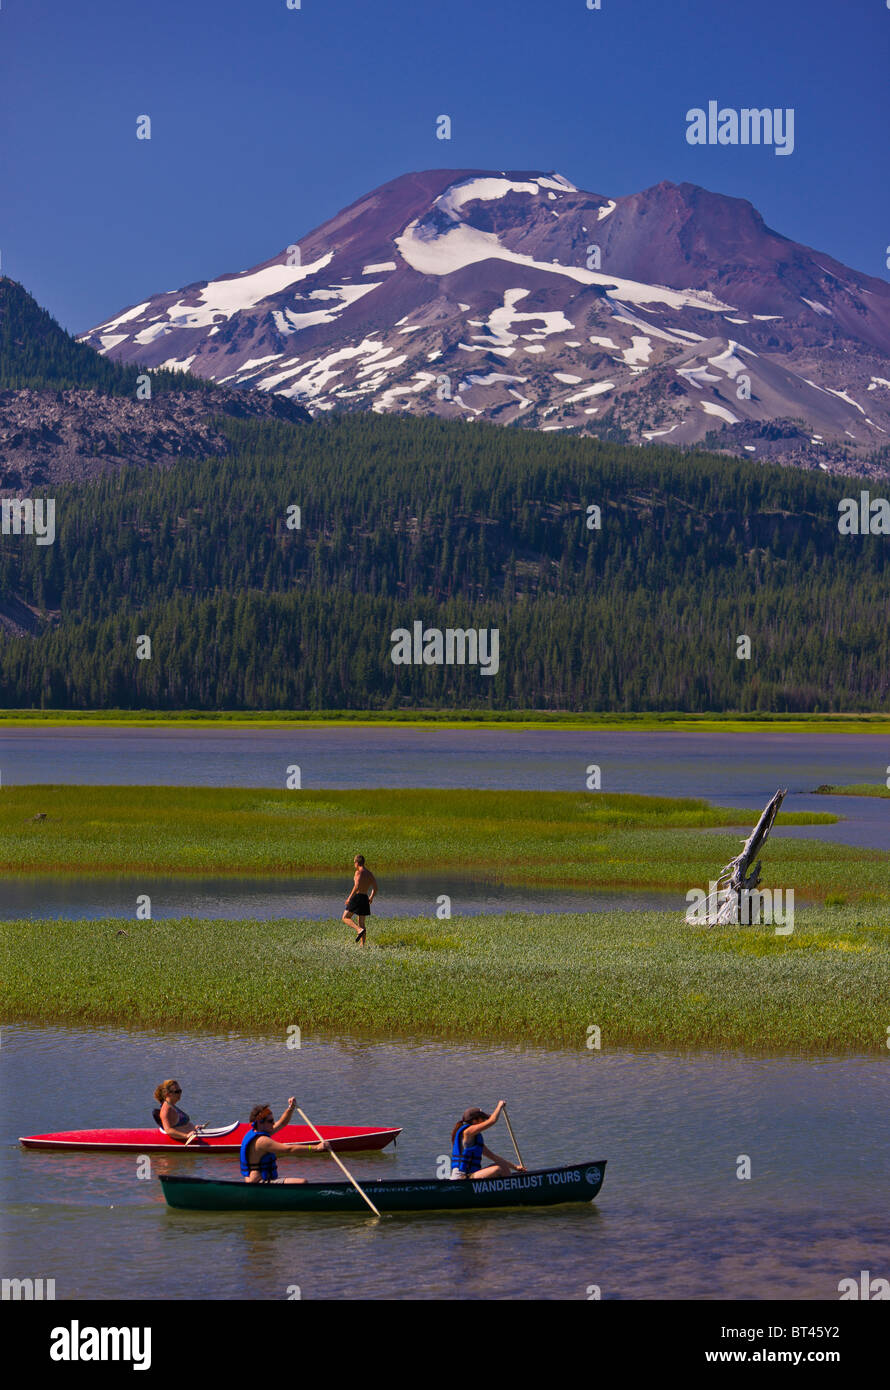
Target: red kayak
[[222, 1139]]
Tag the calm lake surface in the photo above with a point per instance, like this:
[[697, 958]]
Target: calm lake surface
[[672, 1219], [318, 898], [729, 769]]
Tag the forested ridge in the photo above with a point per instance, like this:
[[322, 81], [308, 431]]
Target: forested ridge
[[456, 526], [36, 354]]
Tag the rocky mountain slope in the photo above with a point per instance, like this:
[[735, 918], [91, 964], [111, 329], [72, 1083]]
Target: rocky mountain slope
[[673, 315], [70, 436], [66, 414]]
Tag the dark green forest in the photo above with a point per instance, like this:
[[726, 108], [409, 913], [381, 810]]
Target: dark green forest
[[456, 525]]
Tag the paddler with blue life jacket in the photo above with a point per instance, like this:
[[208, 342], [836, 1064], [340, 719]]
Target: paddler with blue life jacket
[[468, 1150], [259, 1151]]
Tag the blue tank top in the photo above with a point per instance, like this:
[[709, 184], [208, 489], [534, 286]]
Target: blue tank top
[[268, 1164], [468, 1159], [182, 1117]]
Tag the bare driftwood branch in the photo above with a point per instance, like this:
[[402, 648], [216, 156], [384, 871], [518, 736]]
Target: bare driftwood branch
[[738, 876]]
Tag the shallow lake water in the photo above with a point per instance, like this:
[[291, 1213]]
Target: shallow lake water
[[728, 769], [673, 1220], [316, 898]]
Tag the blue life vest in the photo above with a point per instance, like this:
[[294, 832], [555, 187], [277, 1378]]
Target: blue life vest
[[468, 1159], [268, 1164]]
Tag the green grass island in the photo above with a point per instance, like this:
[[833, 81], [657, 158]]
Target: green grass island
[[643, 978]]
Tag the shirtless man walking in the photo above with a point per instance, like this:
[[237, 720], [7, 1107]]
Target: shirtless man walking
[[358, 904]]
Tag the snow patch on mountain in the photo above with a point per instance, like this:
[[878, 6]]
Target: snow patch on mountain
[[177, 365], [639, 351], [252, 363], [843, 395], [476, 380], [481, 190], [697, 376], [720, 411], [385, 401], [557, 181], [234, 295], [597, 389], [500, 319], [339, 296], [431, 252], [728, 362], [627, 316], [316, 372], [127, 316]]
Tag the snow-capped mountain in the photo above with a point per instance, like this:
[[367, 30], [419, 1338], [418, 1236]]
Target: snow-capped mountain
[[666, 315]]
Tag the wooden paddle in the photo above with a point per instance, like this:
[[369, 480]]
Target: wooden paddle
[[339, 1161], [513, 1137]]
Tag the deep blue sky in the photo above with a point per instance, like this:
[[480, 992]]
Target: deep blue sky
[[266, 120]]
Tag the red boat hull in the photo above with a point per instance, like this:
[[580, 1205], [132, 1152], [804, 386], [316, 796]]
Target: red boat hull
[[342, 1137]]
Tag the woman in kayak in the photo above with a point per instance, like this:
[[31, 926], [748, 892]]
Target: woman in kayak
[[259, 1151], [468, 1150], [358, 904], [172, 1120]]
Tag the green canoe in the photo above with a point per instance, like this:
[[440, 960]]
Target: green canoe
[[542, 1187]]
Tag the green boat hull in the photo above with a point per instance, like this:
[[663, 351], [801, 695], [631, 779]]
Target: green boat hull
[[542, 1187]]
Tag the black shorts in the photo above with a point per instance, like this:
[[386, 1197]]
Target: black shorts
[[359, 903]]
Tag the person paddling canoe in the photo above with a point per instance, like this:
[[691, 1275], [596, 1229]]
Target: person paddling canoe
[[468, 1150], [259, 1151], [358, 904], [172, 1120]]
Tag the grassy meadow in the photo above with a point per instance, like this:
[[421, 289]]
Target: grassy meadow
[[856, 789], [645, 979], [570, 838], [519, 720]]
